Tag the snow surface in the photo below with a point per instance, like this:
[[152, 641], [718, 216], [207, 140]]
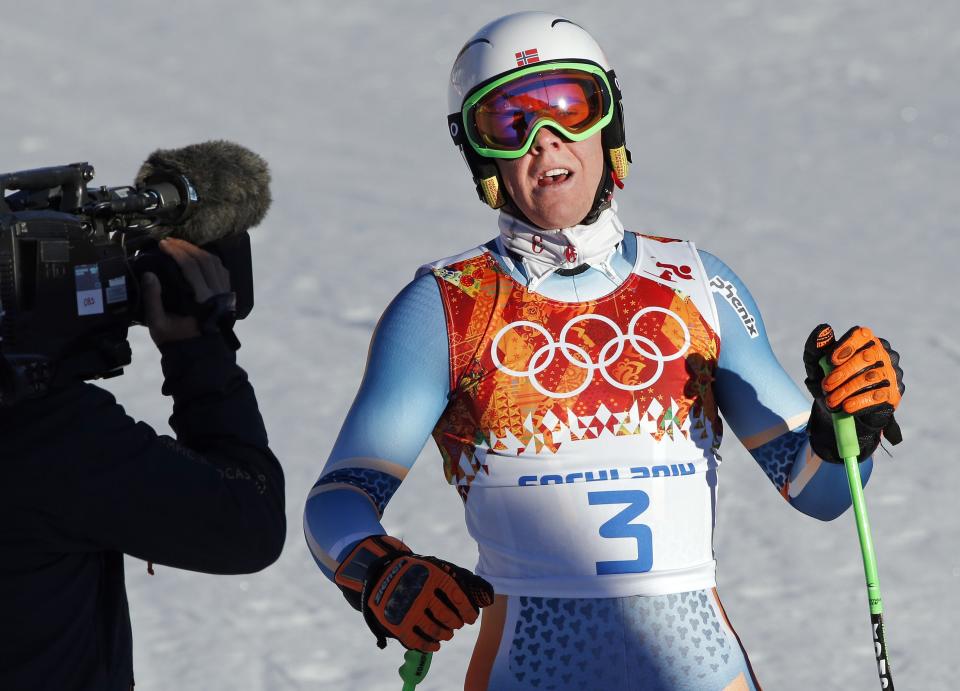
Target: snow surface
[[814, 146]]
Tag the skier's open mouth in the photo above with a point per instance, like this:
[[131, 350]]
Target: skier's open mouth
[[554, 176]]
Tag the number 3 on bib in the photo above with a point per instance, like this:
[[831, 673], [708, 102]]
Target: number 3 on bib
[[620, 527]]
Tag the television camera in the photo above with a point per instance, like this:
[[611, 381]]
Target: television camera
[[72, 257]]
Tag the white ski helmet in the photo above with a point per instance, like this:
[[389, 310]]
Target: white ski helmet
[[510, 48]]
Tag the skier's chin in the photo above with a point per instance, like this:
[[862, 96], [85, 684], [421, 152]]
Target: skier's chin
[[551, 211]]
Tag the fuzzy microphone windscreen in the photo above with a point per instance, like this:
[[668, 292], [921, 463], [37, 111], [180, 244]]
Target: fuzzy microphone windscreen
[[232, 184]]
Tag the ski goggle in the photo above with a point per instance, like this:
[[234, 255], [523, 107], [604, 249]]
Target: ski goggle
[[502, 118]]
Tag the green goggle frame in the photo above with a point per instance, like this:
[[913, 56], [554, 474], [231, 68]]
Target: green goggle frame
[[471, 102]]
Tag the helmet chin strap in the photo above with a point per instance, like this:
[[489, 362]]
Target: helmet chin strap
[[603, 197]]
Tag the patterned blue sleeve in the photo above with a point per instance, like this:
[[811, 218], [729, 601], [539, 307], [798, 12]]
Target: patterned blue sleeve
[[764, 407], [402, 395]]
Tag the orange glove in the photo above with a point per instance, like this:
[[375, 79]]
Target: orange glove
[[866, 382], [418, 600]]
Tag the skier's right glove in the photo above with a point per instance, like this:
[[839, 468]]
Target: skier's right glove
[[418, 600]]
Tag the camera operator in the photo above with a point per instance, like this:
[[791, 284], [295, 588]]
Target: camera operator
[[83, 484]]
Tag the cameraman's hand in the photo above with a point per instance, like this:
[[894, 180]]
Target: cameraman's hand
[[206, 275]]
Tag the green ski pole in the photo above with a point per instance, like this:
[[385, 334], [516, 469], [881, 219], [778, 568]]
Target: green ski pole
[[415, 666], [849, 447]]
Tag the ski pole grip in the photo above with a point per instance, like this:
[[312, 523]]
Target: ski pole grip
[[843, 424], [415, 666]]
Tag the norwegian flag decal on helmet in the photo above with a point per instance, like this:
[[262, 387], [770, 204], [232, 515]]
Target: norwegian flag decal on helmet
[[527, 57]]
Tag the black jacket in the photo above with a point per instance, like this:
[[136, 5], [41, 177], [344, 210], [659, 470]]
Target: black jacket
[[82, 484]]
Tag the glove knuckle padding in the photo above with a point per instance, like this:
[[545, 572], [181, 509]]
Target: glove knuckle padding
[[866, 382], [852, 392], [868, 368], [852, 342], [863, 401], [854, 364]]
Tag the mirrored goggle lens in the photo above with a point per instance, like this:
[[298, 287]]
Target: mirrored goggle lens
[[504, 118]]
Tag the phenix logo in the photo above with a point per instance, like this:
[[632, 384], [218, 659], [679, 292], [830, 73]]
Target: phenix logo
[[729, 293]]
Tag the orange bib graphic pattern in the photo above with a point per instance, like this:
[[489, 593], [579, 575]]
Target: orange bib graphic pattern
[[532, 376]]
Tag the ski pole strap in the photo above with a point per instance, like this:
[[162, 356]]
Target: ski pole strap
[[415, 666]]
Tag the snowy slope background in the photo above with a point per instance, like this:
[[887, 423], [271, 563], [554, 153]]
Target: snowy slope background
[[814, 146]]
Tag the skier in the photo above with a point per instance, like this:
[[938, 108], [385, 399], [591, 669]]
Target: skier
[[572, 375]]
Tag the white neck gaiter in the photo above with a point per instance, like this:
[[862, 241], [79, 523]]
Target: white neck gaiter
[[544, 251]]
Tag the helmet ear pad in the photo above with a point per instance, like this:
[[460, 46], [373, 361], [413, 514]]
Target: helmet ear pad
[[484, 170], [614, 134], [486, 175]]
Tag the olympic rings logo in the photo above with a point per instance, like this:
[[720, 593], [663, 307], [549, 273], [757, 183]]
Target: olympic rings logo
[[580, 358]]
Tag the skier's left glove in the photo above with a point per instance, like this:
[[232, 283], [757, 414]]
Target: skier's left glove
[[866, 383], [418, 600]]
